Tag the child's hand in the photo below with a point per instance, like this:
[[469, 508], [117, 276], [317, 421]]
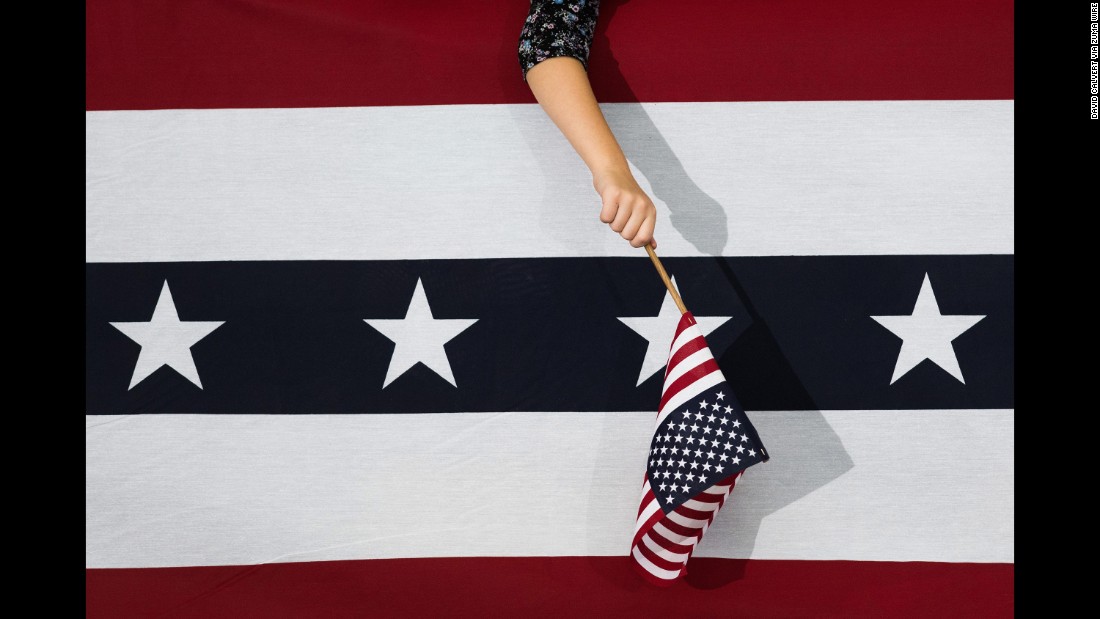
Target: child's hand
[[626, 207]]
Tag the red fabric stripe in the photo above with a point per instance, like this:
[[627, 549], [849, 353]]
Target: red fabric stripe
[[694, 514], [651, 578], [553, 586], [302, 53], [729, 482], [660, 562], [691, 513], [687, 319], [669, 545], [654, 518], [664, 532], [688, 348], [704, 497], [686, 379], [647, 498], [680, 529]]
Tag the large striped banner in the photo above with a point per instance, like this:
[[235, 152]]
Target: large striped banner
[[358, 345]]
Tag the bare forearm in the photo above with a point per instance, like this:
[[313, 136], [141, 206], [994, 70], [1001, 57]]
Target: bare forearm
[[562, 89]]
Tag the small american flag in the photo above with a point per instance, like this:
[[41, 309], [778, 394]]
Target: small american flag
[[702, 444]]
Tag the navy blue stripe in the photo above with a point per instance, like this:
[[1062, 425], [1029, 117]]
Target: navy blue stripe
[[547, 336]]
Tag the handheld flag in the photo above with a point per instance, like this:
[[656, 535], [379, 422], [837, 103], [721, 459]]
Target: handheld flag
[[702, 444]]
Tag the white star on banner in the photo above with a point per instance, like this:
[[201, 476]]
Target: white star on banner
[[419, 337], [927, 334], [166, 340], [659, 330]]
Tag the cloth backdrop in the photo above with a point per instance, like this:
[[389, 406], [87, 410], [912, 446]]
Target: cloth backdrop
[[358, 345]]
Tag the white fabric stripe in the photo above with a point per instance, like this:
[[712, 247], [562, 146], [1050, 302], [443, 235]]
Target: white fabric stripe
[[689, 542], [684, 337], [649, 510], [690, 391], [648, 566], [670, 535], [689, 363], [685, 521], [933, 485], [785, 178], [667, 555], [700, 506]]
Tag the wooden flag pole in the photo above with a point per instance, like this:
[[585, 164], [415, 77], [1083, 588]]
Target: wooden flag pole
[[666, 280]]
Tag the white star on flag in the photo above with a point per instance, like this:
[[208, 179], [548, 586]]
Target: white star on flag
[[166, 340], [419, 337], [927, 334], [658, 331]]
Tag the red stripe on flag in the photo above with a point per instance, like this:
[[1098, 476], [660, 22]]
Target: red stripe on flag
[[685, 379], [645, 527], [694, 514], [653, 579], [689, 536], [647, 498], [553, 586], [655, 559], [684, 351], [669, 545], [705, 497], [683, 530], [300, 53], [662, 532]]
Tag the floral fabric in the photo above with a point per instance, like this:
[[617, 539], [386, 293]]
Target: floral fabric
[[557, 28]]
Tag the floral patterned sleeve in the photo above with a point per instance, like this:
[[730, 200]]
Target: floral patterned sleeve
[[557, 28]]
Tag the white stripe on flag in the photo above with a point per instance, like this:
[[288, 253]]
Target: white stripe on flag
[[689, 391], [667, 555], [670, 535], [648, 511], [683, 337], [934, 485], [653, 569], [792, 178], [700, 506], [689, 362], [685, 521]]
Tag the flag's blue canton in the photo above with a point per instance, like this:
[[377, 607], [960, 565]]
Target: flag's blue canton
[[694, 448]]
